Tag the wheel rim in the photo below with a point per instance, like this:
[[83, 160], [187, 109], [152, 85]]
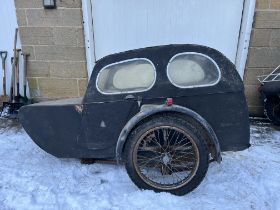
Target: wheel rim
[[166, 157], [276, 111]]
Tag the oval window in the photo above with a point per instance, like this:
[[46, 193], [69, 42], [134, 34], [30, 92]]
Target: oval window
[[128, 76], [187, 70]]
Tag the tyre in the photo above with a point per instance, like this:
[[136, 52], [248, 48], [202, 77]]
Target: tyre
[[166, 154], [272, 109]]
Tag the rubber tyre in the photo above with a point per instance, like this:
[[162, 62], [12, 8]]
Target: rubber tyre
[[269, 109], [175, 122]]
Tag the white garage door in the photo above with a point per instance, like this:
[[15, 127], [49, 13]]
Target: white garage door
[[129, 24]]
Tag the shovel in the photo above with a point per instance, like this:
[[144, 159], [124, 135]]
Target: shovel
[[3, 55], [12, 80], [17, 94], [10, 109], [25, 55]]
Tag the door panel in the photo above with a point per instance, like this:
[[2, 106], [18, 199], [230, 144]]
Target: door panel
[[102, 123], [130, 24]]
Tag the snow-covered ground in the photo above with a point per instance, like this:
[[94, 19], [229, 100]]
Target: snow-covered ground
[[33, 179]]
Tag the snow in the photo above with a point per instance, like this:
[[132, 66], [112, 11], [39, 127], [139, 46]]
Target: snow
[[33, 179], [5, 111]]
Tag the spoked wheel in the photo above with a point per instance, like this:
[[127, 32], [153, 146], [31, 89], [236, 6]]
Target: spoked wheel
[[166, 154], [272, 109]]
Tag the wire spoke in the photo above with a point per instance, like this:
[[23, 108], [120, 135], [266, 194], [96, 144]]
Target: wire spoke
[[148, 149], [173, 172], [182, 146], [166, 157], [183, 154], [182, 165], [168, 140], [145, 162], [154, 139]]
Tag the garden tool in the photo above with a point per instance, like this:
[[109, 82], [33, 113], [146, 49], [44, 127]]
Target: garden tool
[[25, 56], [17, 94], [3, 55], [10, 109]]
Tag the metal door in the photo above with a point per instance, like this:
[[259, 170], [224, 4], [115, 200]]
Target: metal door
[[130, 24]]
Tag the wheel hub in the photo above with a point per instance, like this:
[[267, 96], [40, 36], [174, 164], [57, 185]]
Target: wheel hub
[[166, 159]]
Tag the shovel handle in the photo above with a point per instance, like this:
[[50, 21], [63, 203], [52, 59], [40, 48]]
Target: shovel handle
[[25, 56], [3, 55], [17, 71], [12, 97], [15, 41]]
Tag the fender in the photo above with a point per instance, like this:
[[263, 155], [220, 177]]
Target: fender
[[148, 110]]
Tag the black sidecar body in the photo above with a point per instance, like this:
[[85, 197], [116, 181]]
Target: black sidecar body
[[150, 101]]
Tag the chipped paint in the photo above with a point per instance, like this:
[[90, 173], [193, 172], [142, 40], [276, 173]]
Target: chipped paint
[[79, 108], [102, 124]]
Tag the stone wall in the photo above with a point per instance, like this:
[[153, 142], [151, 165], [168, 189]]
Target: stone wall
[[55, 40], [264, 52]]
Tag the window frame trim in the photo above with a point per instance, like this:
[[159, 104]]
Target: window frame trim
[[126, 92], [194, 86]]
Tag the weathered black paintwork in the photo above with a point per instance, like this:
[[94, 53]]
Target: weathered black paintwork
[[271, 88], [97, 126], [152, 110]]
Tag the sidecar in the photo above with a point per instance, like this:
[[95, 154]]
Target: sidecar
[[164, 111]]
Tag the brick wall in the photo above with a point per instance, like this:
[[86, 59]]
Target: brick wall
[[264, 52], [55, 40]]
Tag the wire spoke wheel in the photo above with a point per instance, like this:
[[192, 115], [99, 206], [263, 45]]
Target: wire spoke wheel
[[167, 154], [276, 110], [272, 109], [166, 157]]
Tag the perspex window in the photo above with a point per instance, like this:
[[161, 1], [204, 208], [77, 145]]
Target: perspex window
[[190, 69], [135, 75]]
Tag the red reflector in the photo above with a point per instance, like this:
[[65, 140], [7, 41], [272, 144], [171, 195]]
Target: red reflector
[[169, 101]]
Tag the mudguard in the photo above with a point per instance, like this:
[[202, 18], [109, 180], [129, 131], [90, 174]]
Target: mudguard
[[149, 110], [271, 88]]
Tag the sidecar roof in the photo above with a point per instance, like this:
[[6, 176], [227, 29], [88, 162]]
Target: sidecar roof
[[228, 79]]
